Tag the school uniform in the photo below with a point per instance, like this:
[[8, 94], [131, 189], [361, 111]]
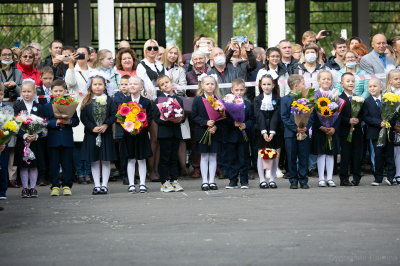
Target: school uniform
[[89, 151], [295, 149], [169, 135], [238, 148], [35, 146], [384, 156], [60, 145], [42, 91], [4, 168], [349, 150]]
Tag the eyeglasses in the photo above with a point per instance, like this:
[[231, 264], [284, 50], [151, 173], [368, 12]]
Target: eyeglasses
[[6, 55], [155, 48], [27, 56]]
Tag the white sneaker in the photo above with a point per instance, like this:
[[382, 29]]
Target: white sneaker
[[176, 186], [322, 183], [279, 173], [267, 173], [376, 184], [331, 183], [167, 187]]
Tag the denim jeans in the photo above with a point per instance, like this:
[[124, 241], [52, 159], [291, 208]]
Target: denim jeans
[[83, 168], [312, 161]]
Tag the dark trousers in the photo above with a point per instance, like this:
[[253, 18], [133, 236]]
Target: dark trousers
[[223, 157], [239, 161], [297, 150], [64, 156], [4, 171], [44, 171], [384, 156], [350, 151], [123, 161], [168, 159], [195, 155]]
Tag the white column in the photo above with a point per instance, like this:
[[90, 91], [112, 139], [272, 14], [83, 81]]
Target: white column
[[105, 11], [276, 22]]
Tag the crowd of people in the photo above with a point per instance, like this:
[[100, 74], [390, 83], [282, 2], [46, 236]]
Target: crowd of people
[[164, 151]]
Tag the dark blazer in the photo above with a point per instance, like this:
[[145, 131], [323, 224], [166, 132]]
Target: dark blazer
[[234, 134], [40, 92], [288, 119], [200, 117], [20, 106], [268, 120], [59, 136], [88, 119], [120, 98], [167, 129], [372, 117], [345, 126]]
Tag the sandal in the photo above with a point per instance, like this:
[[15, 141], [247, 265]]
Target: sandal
[[204, 187], [264, 185], [103, 190], [96, 191], [272, 184], [213, 186], [132, 189]]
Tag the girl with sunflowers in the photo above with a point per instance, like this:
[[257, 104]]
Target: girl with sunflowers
[[319, 132]]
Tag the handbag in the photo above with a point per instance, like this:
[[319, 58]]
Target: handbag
[[185, 129]]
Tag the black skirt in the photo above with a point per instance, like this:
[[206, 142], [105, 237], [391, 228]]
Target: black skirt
[[136, 147], [215, 147], [92, 153], [275, 143], [317, 143], [35, 146]]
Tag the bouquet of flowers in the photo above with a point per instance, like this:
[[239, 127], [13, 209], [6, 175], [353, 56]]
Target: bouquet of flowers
[[390, 104], [234, 105], [215, 111], [356, 104], [8, 125], [267, 156], [99, 115], [328, 108], [31, 124], [170, 110], [302, 107], [132, 117], [64, 107]]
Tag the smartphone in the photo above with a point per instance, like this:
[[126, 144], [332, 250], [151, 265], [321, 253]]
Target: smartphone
[[344, 34], [63, 57], [241, 38], [327, 33], [81, 57], [203, 46], [16, 44]]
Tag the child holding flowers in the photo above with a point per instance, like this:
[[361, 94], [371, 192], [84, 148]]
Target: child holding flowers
[[208, 89], [267, 131], [136, 146], [98, 143]]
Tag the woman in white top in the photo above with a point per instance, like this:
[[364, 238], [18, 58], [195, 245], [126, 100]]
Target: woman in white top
[[104, 63]]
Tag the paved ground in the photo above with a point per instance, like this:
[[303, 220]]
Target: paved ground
[[319, 226]]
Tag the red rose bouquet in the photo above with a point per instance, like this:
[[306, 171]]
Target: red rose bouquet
[[64, 107]]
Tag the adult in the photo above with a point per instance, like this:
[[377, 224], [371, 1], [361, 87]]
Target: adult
[[38, 59], [61, 70], [246, 65], [170, 61], [376, 61], [353, 41], [92, 56], [25, 65], [76, 79], [390, 52], [243, 51], [287, 58], [297, 50], [189, 62], [350, 65], [161, 51], [361, 50], [339, 48], [259, 54], [104, 63], [55, 49], [199, 67], [189, 55], [310, 37], [396, 48], [123, 44], [126, 62]]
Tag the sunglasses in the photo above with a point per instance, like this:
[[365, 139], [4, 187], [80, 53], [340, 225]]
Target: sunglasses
[[27, 56], [155, 48]]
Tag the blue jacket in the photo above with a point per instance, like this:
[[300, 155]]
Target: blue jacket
[[361, 86], [59, 136], [288, 119], [234, 134], [120, 98]]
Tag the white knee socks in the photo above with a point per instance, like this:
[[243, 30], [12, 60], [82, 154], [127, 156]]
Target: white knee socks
[[131, 171], [106, 169], [208, 162], [321, 161]]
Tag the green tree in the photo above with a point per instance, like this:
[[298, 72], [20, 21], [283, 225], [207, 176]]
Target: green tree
[[173, 23], [244, 20], [206, 20]]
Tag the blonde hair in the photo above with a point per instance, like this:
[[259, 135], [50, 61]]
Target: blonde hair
[[169, 48], [30, 84], [200, 90], [323, 72], [294, 79], [345, 54], [296, 47], [137, 78], [394, 41], [307, 34], [100, 56], [388, 77], [147, 43], [89, 96]]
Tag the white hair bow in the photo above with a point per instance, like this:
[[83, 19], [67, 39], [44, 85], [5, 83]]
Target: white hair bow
[[200, 78], [105, 76], [28, 80]]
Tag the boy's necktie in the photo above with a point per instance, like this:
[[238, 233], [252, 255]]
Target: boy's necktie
[[378, 102]]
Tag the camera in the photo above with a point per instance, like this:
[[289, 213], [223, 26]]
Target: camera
[[10, 93]]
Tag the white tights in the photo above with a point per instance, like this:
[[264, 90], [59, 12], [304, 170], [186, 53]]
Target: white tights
[[322, 158], [131, 171], [106, 169], [208, 162], [261, 172]]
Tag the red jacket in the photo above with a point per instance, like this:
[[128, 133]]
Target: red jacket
[[35, 75]]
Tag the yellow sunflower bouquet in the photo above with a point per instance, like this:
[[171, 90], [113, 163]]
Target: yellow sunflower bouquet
[[390, 104], [9, 125]]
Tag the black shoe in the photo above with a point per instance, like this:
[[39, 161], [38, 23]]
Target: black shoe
[[125, 180], [41, 182], [224, 175], [112, 179], [33, 193], [117, 174], [263, 185], [304, 185], [103, 190], [1, 209], [346, 183], [294, 185], [204, 187], [355, 182], [82, 181], [232, 185], [90, 181], [96, 191], [272, 184], [286, 176], [244, 185], [213, 186], [25, 193], [312, 173]]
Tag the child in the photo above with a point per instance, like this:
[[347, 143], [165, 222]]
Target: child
[[267, 106], [3, 158], [137, 148], [349, 150], [96, 87], [295, 149], [208, 86], [60, 143], [47, 77], [319, 132], [28, 170], [371, 114], [119, 98], [169, 135], [238, 148]]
